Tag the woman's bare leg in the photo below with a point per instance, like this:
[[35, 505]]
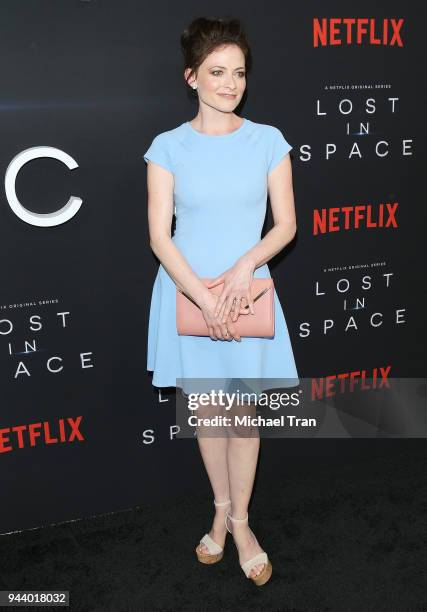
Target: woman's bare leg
[[242, 458], [213, 448]]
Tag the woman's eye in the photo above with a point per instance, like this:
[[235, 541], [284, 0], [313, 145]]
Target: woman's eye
[[218, 72]]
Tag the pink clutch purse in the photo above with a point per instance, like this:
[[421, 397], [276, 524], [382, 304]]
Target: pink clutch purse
[[190, 321]]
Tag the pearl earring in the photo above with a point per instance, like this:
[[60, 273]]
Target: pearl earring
[[194, 86]]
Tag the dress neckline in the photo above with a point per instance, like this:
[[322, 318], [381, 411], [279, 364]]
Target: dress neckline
[[202, 135]]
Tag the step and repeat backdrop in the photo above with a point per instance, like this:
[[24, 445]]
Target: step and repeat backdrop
[[86, 87]]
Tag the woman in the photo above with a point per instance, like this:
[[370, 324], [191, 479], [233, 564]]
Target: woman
[[217, 169]]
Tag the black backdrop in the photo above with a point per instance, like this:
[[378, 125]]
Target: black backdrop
[[97, 81]]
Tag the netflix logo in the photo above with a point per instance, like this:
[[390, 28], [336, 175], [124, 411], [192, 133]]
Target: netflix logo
[[356, 31], [43, 433], [354, 217], [349, 382]]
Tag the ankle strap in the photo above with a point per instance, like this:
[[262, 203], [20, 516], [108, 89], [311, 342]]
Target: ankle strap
[[237, 520], [224, 503]]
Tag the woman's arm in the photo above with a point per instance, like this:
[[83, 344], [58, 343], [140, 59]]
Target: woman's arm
[[160, 211], [283, 208]]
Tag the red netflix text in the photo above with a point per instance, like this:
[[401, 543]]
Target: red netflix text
[[356, 31], [40, 434]]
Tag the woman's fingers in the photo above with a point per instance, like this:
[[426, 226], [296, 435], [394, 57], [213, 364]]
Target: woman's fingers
[[233, 331], [237, 307], [242, 307], [222, 332], [220, 303], [236, 310], [250, 301], [221, 316], [227, 311], [228, 304]]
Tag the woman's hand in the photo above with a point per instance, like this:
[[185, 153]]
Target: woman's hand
[[237, 287], [217, 329]]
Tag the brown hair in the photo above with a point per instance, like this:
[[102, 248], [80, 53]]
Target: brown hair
[[205, 34]]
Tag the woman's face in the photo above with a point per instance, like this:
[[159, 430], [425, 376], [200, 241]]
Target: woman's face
[[221, 78]]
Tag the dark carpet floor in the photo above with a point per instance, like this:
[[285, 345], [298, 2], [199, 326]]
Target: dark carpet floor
[[342, 537]]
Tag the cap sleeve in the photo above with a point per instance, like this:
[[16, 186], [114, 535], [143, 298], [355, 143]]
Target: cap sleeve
[[279, 147], [159, 153]]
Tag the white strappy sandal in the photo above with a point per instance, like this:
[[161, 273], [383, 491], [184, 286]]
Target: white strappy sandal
[[215, 551], [266, 571]]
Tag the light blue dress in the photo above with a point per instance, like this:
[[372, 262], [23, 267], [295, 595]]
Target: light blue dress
[[220, 196]]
